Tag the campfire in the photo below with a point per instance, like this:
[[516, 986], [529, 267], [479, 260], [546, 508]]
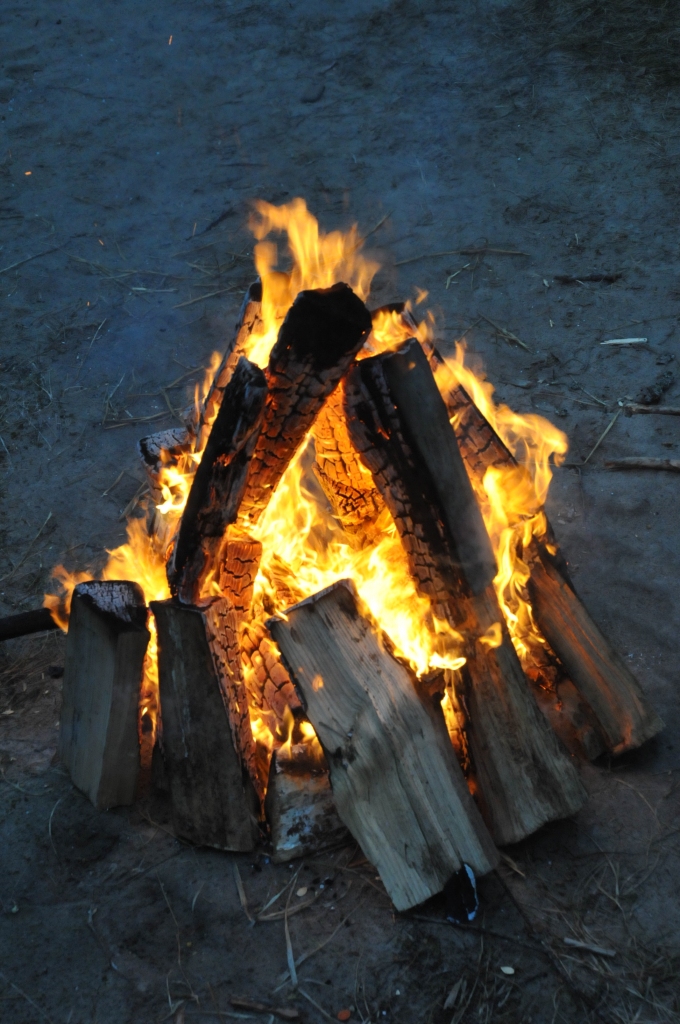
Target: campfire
[[345, 608]]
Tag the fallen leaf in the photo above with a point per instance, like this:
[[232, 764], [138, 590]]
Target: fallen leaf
[[344, 1015]]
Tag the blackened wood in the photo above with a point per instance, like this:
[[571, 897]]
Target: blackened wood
[[396, 782], [612, 708], [597, 670], [300, 809], [105, 647], [524, 777], [214, 801], [36, 621], [354, 499], [219, 482], [167, 449], [248, 321], [322, 332]]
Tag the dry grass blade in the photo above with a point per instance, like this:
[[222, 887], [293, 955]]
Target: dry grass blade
[[602, 436], [27, 259], [200, 298], [21, 561], [26, 997], [470, 251], [508, 335], [316, 1005], [243, 899]]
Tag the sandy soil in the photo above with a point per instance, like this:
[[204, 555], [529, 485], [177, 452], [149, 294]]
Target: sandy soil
[[133, 140]]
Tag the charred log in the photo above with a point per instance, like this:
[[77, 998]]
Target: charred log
[[219, 483], [319, 338], [38, 620], [523, 776]]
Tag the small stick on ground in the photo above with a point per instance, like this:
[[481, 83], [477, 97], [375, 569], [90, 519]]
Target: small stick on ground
[[602, 436], [661, 410], [508, 335], [673, 465]]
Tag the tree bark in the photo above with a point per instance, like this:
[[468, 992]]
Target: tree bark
[[105, 648], [322, 332], [218, 484], [396, 782], [400, 425], [300, 809], [205, 728]]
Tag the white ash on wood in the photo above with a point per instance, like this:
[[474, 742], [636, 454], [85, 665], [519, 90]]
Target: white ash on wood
[[396, 782], [299, 807], [400, 425], [105, 648], [214, 799]]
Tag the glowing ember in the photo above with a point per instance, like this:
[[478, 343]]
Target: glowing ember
[[302, 542]]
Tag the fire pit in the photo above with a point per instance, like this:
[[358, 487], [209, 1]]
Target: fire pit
[[346, 608]]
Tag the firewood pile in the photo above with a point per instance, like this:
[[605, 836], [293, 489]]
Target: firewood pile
[[428, 770]]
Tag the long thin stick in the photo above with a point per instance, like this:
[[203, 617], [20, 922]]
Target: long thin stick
[[508, 335], [27, 259], [670, 464], [29, 1000], [661, 410], [602, 435], [461, 252], [243, 899], [200, 298]]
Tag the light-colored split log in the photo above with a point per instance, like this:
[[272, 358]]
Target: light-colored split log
[[300, 809], [105, 648], [214, 801], [396, 782]]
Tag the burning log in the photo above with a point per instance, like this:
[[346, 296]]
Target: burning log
[[300, 809], [396, 782], [351, 493], [165, 450], [322, 332], [207, 746], [611, 697], [524, 777], [219, 483], [105, 648], [626, 718], [249, 318], [240, 558]]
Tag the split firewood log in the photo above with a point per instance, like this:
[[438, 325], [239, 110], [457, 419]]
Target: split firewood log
[[207, 747], [322, 332], [607, 693], [400, 425], [105, 648], [165, 450], [218, 484], [396, 782]]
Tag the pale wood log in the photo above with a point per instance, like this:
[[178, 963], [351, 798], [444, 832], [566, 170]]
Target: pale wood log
[[322, 332], [248, 321], [105, 648], [354, 499], [598, 671], [400, 425], [214, 800], [219, 483], [300, 809], [396, 782]]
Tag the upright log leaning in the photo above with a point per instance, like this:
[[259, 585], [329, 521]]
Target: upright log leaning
[[214, 802], [625, 717], [400, 425], [319, 338], [396, 783], [105, 648]]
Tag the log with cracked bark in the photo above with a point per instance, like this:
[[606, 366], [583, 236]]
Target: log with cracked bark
[[218, 484], [105, 648], [523, 775], [608, 706], [322, 332], [396, 782], [207, 747]]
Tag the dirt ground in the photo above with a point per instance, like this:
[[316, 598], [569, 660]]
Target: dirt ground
[[133, 139]]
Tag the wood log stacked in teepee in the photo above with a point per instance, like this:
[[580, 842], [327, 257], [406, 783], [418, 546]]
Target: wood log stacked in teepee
[[390, 452]]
